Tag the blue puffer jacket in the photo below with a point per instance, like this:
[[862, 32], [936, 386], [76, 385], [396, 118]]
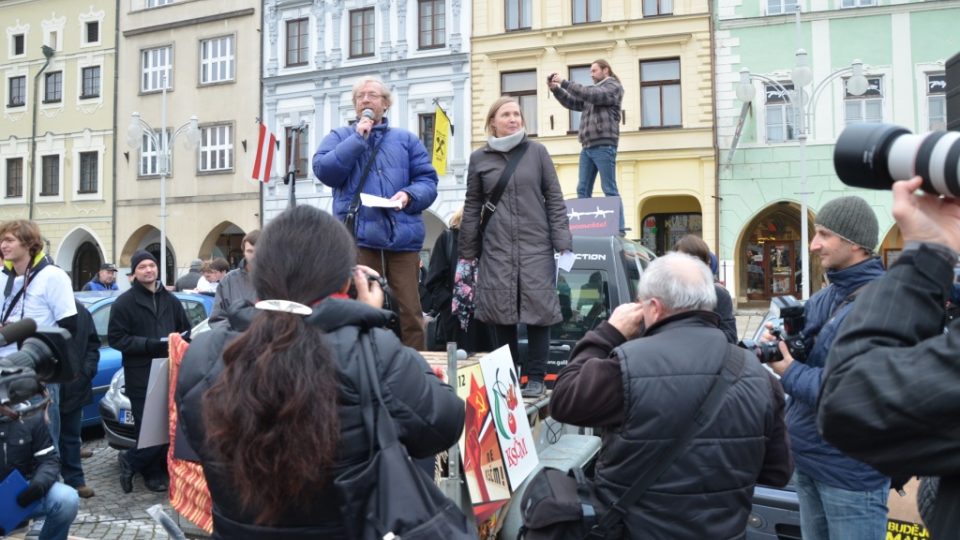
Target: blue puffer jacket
[[812, 455], [402, 164]]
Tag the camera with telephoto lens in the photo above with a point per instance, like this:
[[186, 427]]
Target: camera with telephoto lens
[[874, 156], [43, 357], [790, 331]]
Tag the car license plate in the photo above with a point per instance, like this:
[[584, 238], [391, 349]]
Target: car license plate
[[126, 417]]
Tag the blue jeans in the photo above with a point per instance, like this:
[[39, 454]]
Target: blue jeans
[[602, 159], [58, 508], [832, 513], [53, 413], [70, 444]]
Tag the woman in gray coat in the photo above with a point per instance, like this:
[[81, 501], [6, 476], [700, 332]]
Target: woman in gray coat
[[516, 280]]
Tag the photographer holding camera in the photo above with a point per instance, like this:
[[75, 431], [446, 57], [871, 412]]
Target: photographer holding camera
[[840, 497], [891, 390]]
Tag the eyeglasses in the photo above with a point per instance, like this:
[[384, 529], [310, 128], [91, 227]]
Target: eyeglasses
[[371, 95]]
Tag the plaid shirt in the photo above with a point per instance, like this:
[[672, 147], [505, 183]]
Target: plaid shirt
[[600, 105]]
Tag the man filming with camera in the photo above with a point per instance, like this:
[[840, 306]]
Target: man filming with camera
[[891, 391], [840, 498]]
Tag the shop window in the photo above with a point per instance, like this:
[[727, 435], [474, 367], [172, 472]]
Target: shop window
[[661, 231]]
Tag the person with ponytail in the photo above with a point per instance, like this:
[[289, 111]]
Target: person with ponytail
[[271, 403]]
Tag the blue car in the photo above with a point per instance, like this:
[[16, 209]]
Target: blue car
[[198, 307]]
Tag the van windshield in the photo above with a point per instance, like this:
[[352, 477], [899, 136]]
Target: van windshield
[[584, 303]]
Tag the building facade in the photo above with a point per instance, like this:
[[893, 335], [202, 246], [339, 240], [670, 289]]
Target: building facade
[[56, 137], [205, 54], [315, 51], [764, 174], [661, 52]]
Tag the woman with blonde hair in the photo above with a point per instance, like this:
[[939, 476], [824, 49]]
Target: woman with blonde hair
[[516, 276]]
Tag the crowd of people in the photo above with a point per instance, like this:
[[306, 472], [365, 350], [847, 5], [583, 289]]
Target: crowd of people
[[273, 399]]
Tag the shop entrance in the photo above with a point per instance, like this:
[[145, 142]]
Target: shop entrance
[[770, 255]]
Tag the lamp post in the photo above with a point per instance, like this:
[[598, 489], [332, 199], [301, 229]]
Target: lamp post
[[139, 128], [802, 76]]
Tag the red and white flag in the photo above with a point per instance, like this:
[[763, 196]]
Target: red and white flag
[[266, 147]]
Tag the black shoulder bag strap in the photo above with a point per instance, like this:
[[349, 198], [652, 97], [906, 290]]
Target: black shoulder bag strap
[[355, 203], [729, 373], [490, 206]]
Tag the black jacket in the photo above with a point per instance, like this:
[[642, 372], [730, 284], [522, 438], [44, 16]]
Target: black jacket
[[428, 414], [891, 389], [85, 341], [724, 309], [188, 281], [138, 321], [645, 392], [28, 448]]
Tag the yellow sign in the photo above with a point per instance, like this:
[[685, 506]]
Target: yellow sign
[[441, 131]]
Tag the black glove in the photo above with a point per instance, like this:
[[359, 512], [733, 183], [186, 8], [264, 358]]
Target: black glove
[[158, 348], [29, 495]]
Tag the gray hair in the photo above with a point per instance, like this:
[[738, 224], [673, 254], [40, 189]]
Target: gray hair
[[384, 90], [681, 283]]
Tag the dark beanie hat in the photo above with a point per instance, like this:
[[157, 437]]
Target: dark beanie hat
[[852, 218], [139, 257]]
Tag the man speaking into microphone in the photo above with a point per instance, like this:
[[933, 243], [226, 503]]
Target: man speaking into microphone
[[371, 157]]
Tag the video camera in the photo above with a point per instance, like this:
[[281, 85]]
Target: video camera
[[789, 330], [874, 156], [44, 356]]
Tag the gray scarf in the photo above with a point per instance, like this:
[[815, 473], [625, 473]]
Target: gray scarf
[[506, 144]]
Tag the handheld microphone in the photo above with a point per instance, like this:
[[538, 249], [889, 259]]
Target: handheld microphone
[[17, 331], [367, 113]]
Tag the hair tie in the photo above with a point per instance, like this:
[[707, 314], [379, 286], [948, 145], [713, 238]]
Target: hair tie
[[285, 306]]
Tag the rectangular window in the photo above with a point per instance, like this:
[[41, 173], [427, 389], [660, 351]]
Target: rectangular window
[[18, 91], [427, 123], [780, 113], [301, 153], [433, 25], [779, 7], [937, 101], [50, 181], [53, 87], [216, 60], [88, 172], [660, 93], [865, 108], [518, 14], [216, 148], [150, 161], [14, 177], [298, 32], [657, 7], [361, 32], [18, 45], [158, 3], [92, 31], [857, 3], [91, 82], [580, 75], [523, 86], [585, 11], [157, 69]]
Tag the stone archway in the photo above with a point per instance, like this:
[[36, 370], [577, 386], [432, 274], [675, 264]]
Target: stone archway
[[148, 237], [225, 240], [80, 253]]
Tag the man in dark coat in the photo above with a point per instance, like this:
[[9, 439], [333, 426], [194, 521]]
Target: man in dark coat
[[188, 281], [140, 322], [891, 388], [644, 391], [74, 395]]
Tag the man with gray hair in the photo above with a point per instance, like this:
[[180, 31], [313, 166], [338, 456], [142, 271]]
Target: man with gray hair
[[392, 163], [642, 375]]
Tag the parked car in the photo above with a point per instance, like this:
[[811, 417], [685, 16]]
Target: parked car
[[99, 303]]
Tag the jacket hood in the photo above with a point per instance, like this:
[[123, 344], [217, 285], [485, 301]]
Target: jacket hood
[[685, 318], [334, 313], [852, 277]]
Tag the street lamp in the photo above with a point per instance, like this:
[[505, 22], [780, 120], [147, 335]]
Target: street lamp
[[139, 128], [801, 76]]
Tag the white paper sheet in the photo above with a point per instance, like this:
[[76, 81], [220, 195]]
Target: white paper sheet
[[378, 202]]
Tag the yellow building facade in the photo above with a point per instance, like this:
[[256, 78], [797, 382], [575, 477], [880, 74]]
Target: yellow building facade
[[56, 138], [661, 52]]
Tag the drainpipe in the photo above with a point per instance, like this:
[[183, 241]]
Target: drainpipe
[[114, 256], [48, 53], [716, 143]]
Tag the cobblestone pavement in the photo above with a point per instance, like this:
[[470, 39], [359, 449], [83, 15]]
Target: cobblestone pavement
[[113, 514], [748, 320]]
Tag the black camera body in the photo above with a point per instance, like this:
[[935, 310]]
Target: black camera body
[[789, 331], [43, 357]]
